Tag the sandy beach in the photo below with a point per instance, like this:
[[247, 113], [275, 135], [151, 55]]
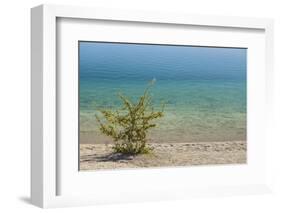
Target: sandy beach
[[100, 156]]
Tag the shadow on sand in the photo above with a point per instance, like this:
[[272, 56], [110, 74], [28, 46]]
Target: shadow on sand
[[112, 157]]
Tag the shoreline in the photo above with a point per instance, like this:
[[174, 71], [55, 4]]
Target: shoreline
[[100, 156], [97, 138]]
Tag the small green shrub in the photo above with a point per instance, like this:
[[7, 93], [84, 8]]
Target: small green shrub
[[129, 125]]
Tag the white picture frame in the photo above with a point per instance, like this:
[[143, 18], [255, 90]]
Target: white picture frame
[[45, 153]]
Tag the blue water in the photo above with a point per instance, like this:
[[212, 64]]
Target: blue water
[[204, 88]]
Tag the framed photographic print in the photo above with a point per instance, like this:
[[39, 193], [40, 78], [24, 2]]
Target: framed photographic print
[[149, 106]]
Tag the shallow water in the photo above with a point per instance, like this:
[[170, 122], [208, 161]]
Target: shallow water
[[204, 88]]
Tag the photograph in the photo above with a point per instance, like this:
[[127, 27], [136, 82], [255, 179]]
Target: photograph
[[145, 105]]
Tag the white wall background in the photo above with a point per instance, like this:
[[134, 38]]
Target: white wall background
[[15, 104]]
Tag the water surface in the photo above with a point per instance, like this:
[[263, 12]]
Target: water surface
[[204, 88]]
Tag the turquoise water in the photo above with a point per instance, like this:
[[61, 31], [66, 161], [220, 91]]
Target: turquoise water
[[204, 88]]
